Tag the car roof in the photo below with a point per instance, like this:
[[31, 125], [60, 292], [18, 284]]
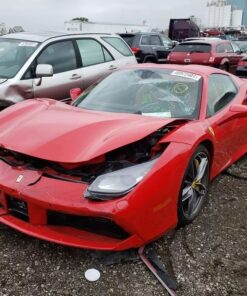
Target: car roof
[[139, 33], [202, 38], [207, 41], [46, 35]]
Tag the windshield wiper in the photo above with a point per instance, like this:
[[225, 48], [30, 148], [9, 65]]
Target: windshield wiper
[[139, 112]]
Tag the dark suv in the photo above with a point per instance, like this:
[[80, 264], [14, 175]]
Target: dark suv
[[148, 47]]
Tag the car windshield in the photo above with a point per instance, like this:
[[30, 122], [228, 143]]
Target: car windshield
[[13, 55], [149, 92], [242, 45], [166, 41]]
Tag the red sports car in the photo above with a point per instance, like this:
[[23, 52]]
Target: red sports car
[[130, 159]]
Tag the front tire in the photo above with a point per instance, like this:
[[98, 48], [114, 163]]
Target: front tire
[[194, 187]]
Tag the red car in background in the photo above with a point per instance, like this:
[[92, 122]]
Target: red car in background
[[128, 161], [217, 53], [242, 67]]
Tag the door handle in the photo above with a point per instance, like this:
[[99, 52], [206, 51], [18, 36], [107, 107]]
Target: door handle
[[75, 76], [112, 67]]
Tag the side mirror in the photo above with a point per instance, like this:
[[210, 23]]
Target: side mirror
[[236, 111], [239, 109], [75, 93], [44, 70]]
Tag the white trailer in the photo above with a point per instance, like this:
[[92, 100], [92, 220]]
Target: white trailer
[[94, 27]]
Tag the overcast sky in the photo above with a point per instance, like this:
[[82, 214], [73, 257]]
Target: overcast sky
[[36, 15]]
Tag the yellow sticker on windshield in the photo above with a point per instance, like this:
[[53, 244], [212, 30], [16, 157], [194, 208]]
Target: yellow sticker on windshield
[[186, 75]]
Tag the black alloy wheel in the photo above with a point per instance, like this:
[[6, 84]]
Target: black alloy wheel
[[194, 187]]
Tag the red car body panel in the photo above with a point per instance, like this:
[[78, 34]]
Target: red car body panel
[[104, 131], [51, 130]]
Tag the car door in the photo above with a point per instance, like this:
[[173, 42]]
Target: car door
[[97, 61], [61, 55], [159, 48], [221, 92], [232, 57], [237, 54]]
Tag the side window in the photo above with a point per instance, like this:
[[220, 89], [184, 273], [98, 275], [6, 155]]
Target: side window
[[119, 45], [92, 52], [228, 47], [221, 91], [145, 40], [155, 40], [236, 48], [220, 48], [60, 55]]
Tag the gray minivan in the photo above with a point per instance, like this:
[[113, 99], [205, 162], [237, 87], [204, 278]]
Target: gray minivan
[[49, 64]]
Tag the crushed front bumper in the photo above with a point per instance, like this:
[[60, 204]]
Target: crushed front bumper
[[56, 211]]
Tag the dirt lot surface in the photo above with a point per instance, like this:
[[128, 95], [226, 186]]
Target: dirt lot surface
[[207, 257]]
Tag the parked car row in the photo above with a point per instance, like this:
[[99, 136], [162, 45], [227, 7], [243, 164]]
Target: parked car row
[[50, 64], [156, 48]]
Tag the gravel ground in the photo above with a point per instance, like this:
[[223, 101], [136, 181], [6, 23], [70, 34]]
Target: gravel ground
[[207, 257]]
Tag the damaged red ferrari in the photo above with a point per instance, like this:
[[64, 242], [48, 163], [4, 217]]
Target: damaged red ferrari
[[130, 159]]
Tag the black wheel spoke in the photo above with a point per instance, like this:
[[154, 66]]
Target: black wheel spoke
[[187, 182]]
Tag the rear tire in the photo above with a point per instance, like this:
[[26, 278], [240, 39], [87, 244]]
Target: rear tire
[[194, 187], [150, 60]]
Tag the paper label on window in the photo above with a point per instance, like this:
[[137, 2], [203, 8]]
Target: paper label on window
[[186, 75], [28, 44], [159, 114]]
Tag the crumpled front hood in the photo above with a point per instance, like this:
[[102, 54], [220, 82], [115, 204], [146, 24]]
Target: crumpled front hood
[[55, 131]]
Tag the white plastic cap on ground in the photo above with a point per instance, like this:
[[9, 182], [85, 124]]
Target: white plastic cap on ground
[[92, 275]]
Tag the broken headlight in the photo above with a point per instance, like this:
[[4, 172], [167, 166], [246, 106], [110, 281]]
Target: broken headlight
[[118, 183]]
